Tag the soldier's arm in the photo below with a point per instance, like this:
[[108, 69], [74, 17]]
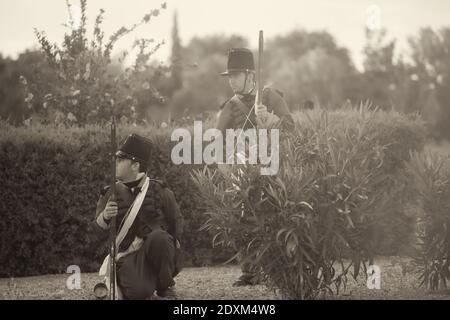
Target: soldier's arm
[[277, 104], [224, 118], [100, 223], [172, 213]]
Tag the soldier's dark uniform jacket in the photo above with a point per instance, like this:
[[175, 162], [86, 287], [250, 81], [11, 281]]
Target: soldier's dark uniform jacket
[[159, 222], [159, 208], [233, 114]]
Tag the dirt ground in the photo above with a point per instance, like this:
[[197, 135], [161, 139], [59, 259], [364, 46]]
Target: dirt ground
[[216, 283]]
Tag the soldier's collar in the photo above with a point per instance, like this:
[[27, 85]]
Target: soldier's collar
[[139, 182], [248, 97]]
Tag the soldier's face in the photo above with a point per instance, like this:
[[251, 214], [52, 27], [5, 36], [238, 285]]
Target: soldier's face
[[125, 169], [238, 83]]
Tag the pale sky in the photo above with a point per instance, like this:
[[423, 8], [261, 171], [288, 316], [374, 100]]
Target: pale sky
[[344, 19]]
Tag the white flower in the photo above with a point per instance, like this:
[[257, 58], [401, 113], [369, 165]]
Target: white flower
[[88, 71], [146, 85], [23, 80], [71, 117], [45, 105], [163, 124], [75, 93], [430, 69], [29, 97], [414, 77]]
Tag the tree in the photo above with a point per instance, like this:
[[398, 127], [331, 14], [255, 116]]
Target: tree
[[176, 58], [383, 80], [199, 49], [431, 73], [309, 66], [89, 82], [204, 90], [30, 65]]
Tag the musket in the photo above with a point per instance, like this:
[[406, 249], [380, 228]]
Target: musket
[[101, 288], [259, 79], [259, 82], [112, 230], [259, 70]]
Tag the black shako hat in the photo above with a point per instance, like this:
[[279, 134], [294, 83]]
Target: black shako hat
[[136, 148], [239, 60]]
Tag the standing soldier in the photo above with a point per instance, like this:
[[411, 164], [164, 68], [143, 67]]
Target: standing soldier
[[236, 113], [150, 225]]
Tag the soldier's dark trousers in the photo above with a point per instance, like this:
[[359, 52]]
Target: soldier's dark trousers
[[148, 269]]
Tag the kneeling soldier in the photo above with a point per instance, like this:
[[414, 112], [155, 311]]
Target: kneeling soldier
[[149, 225]]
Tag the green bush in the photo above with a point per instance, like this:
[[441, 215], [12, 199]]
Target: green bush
[[431, 175], [398, 134], [306, 227]]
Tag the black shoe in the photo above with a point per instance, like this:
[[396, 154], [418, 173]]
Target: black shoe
[[168, 293], [242, 283]]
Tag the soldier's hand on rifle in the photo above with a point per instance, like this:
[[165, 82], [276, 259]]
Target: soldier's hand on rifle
[[260, 110], [261, 113], [265, 119], [111, 210]]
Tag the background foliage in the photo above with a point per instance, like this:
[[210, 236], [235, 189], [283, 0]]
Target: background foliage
[[305, 65], [53, 175]]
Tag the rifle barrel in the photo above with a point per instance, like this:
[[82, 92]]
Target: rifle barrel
[[259, 71]]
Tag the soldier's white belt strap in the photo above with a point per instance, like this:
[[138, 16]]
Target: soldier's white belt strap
[[128, 222]]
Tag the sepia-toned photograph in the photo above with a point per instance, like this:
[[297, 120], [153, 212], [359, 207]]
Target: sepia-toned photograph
[[249, 152]]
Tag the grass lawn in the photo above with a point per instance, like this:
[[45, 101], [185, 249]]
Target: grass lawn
[[216, 283]]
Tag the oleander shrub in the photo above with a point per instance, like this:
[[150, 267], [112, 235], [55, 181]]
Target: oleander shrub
[[399, 134], [431, 174], [311, 225]]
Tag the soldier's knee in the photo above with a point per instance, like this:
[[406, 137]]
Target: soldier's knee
[[156, 236], [158, 239]]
